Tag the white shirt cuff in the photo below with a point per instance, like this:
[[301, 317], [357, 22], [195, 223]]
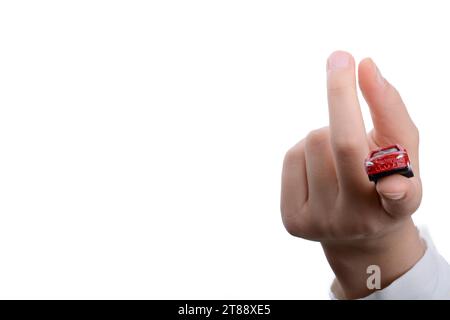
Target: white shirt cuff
[[429, 278]]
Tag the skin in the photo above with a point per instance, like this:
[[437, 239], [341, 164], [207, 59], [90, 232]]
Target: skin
[[326, 195]]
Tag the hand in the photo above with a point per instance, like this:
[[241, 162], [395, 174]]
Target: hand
[[326, 195]]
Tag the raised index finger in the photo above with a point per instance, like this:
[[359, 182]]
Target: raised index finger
[[347, 131]]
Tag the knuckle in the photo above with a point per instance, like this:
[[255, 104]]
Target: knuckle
[[295, 220], [340, 87], [291, 225], [290, 158], [317, 138], [294, 154], [291, 229]]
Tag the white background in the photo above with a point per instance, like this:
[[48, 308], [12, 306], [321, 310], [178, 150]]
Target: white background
[[141, 142]]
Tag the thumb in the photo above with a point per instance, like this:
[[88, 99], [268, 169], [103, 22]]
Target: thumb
[[389, 114], [391, 120], [399, 195]]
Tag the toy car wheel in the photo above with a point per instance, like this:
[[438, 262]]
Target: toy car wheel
[[409, 173]]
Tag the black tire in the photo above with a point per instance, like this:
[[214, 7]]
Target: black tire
[[408, 173]]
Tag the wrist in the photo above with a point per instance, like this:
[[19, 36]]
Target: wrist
[[394, 253]]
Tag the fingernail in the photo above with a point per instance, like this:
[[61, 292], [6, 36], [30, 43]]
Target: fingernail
[[379, 76], [338, 60], [394, 196]]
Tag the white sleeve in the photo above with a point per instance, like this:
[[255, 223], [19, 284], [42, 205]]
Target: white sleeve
[[428, 279]]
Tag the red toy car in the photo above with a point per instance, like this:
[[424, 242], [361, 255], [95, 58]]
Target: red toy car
[[386, 161]]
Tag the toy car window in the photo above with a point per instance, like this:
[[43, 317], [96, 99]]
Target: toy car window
[[386, 151]]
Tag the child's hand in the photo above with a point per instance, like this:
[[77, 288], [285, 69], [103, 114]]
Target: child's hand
[[326, 195]]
